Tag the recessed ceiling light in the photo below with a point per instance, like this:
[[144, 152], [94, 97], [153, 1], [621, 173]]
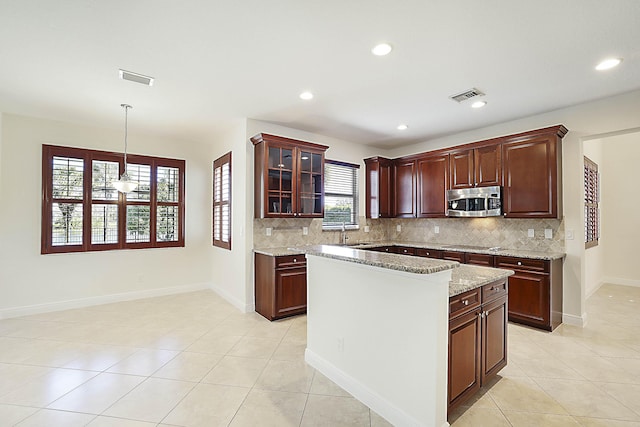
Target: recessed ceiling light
[[306, 95], [607, 64], [403, 127], [478, 104], [382, 49]]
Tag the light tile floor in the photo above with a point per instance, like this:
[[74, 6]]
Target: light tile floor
[[193, 360]]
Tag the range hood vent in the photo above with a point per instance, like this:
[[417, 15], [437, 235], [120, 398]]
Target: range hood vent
[[467, 94], [135, 77]]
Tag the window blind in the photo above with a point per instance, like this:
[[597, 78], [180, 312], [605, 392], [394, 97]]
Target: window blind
[[340, 194], [222, 202], [591, 203]]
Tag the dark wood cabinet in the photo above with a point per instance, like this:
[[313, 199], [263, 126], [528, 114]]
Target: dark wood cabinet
[[289, 178], [532, 165], [433, 176], [535, 291], [477, 339], [454, 256], [404, 175], [379, 187], [280, 285], [479, 259], [429, 253], [476, 167]]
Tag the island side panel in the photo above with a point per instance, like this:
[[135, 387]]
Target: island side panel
[[381, 335]]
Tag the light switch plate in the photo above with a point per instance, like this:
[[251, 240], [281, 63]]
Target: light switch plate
[[268, 231], [569, 235], [367, 229], [398, 227], [531, 233], [548, 233], [305, 231], [436, 229]]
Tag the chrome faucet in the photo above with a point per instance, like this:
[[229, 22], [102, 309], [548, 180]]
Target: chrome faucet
[[343, 234]]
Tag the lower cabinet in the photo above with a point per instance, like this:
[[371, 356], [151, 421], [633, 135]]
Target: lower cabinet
[[535, 291], [280, 285], [477, 340]]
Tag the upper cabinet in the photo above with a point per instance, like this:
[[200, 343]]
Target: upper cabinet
[[433, 176], [532, 168], [405, 188], [379, 187], [289, 178], [476, 167]]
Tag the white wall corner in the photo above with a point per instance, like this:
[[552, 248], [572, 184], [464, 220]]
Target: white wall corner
[[99, 300], [594, 289], [244, 307]]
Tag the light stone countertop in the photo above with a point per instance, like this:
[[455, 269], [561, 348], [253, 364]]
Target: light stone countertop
[[463, 277]]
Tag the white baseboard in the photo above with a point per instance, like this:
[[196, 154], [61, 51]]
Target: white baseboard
[[240, 305], [622, 281], [103, 299], [373, 400], [579, 321]]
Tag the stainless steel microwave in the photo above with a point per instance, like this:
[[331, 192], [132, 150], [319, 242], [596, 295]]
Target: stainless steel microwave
[[474, 202]]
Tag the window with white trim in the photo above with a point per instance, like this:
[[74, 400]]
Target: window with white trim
[[222, 202], [340, 194], [82, 211]]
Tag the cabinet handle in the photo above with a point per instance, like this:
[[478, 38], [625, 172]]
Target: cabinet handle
[[428, 253], [465, 302], [295, 260], [519, 262]]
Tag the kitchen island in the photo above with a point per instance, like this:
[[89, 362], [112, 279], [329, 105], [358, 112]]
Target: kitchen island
[[378, 325]]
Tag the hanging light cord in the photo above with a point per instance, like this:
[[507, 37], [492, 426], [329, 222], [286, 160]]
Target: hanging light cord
[[126, 119]]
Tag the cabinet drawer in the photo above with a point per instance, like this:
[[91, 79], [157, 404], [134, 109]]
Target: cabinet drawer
[[494, 290], [405, 250], [429, 253], [289, 261], [522, 263], [454, 256], [463, 303], [480, 259]]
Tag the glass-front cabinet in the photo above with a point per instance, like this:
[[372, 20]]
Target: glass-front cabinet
[[288, 178]]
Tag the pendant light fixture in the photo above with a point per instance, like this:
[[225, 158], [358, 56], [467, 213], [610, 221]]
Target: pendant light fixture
[[125, 184]]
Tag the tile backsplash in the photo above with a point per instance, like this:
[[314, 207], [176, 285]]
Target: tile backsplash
[[488, 232]]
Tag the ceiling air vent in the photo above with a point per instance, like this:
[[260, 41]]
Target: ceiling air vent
[[135, 77], [467, 94]]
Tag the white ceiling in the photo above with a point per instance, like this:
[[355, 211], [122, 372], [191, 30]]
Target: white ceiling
[[218, 60]]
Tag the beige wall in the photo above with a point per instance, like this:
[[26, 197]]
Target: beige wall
[[594, 256], [31, 282], [620, 208]]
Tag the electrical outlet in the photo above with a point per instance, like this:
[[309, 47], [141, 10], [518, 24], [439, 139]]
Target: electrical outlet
[[305, 231], [531, 233], [436, 229], [398, 228], [340, 344], [367, 228], [268, 231], [569, 235], [548, 233]]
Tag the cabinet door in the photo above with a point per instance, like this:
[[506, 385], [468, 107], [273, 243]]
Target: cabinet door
[[464, 357], [379, 188], [433, 175], [310, 168], [405, 188], [494, 337], [429, 253], [461, 169], [488, 165], [280, 182], [529, 299], [291, 291], [531, 178]]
